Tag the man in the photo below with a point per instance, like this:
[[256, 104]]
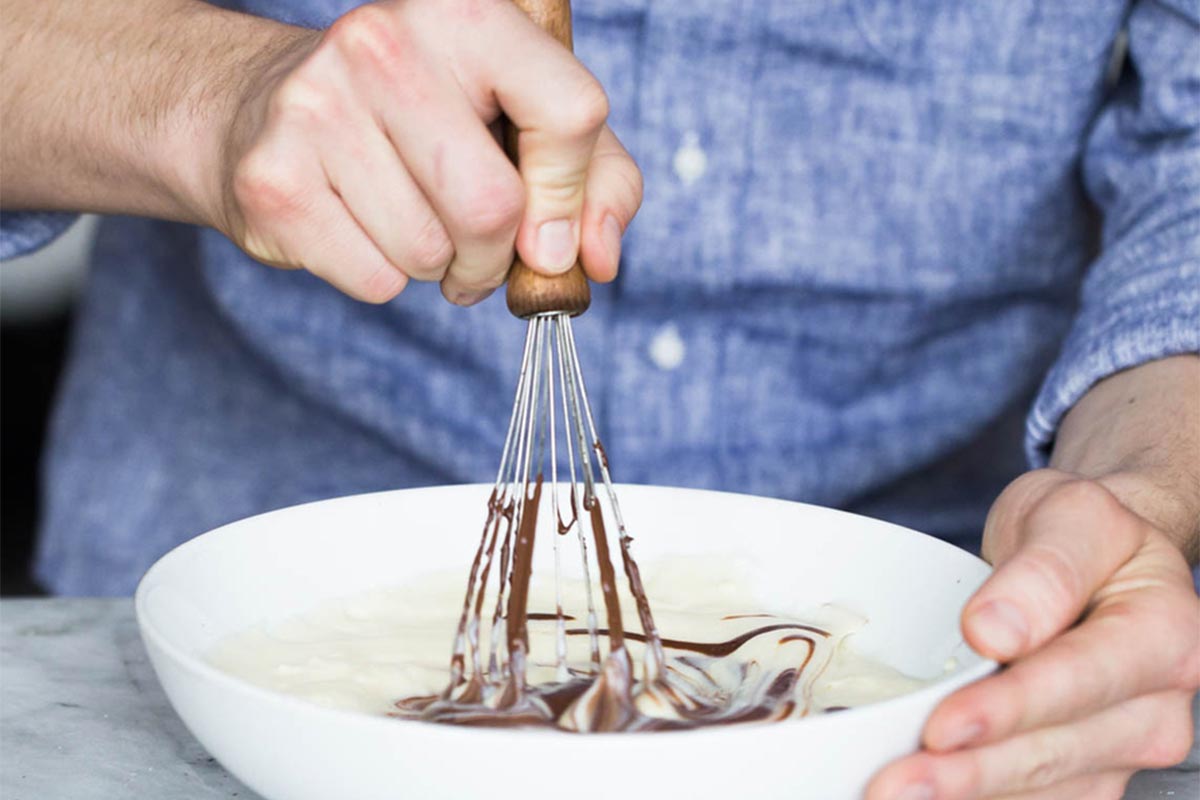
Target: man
[[862, 253]]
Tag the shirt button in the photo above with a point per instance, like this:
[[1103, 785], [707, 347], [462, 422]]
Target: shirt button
[[667, 348], [690, 162]]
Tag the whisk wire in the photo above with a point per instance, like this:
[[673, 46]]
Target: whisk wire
[[570, 411], [550, 384], [653, 658]]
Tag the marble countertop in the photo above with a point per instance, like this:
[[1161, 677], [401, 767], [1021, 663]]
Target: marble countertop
[[82, 716]]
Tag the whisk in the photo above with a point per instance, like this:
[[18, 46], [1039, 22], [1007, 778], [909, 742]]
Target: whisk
[[551, 434]]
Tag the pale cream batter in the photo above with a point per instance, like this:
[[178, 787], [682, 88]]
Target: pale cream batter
[[364, 653]]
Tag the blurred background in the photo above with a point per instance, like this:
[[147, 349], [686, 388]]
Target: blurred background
[[37, 297]]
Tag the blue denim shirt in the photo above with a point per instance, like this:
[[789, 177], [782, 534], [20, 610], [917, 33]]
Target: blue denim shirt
[[880, 239]]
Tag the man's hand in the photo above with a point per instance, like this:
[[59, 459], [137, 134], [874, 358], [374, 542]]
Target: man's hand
[[1091, 608], [365, 154], [1084, 701]]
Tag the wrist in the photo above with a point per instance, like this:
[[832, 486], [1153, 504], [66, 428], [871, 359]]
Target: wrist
[[196, 130], [1138, 433]]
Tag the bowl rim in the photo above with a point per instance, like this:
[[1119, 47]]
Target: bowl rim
[[203, 670]]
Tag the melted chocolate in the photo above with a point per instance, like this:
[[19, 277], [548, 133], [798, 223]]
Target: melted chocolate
[[680, 692], [719, 649]]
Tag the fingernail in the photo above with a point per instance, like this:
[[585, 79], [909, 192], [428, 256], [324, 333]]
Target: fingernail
[[915, 791], [1000, 627], [610, 234], [470, 298], [556, 246], [962, 736]]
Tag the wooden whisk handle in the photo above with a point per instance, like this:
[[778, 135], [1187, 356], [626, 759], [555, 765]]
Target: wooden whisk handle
[[531, 293]]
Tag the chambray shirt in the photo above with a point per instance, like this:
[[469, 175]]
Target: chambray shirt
[[885, 246]]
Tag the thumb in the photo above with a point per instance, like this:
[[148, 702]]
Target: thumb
[[1058, 544]]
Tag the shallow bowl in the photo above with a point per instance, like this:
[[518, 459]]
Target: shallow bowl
[[264, 569]]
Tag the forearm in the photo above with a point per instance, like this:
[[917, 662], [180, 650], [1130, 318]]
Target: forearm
[[120, 107], [1139, 432]]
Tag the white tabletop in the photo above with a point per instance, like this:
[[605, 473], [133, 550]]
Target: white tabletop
[[82, 716]]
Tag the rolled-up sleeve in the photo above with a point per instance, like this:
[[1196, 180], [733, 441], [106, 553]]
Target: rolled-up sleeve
[[1140, 300], [23, 232]]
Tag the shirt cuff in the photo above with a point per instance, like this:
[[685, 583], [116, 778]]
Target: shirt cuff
[[22, 232], [1166, 325]]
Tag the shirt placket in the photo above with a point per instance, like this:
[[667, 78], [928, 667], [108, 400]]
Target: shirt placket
[[665, 417]]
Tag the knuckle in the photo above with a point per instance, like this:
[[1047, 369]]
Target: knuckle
[[300, 100], [557, 188], [1057, 574], [622, 181], [381, 49], [586, 111], [262, 248], [1079, 501], [1046, 764], [473, 10], [1018, 501], [382, 285], [1180, 627], [1167, 745], [262, 186], [632, 185], [637, 183], [486, 279], [368, 30], [473, 278], [493, 209], [1188, 671], [430, 251], [1022, 683]]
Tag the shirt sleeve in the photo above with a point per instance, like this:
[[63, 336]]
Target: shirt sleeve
[[1140, 300], [23, 232]]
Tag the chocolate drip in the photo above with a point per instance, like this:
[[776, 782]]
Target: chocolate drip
[[719, 649], [457, 660], [564, 527], [654, 655], [518, 597], [609, 702], [608, 581]]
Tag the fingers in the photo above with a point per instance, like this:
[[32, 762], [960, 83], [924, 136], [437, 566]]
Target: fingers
[[389, 116], [447, 148], [375, 186], [1148, 731], [614, 194], [557, 124], [1070, 536], [284, 195], [342, 254], [1111, 693], [1130, 644]]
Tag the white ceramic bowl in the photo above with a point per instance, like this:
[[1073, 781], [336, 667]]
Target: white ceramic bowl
[[270, 567]]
